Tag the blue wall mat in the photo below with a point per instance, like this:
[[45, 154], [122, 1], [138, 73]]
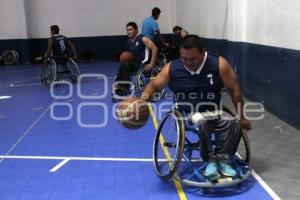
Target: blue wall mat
[[267, 74]]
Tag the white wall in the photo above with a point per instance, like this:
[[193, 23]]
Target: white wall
[[267, 22], [12, 19], [202, 17], [81, 18], [275, 22]]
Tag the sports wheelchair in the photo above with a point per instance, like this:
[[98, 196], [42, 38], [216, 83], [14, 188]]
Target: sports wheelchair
[[57, 68], [140, 79], [176, 150]]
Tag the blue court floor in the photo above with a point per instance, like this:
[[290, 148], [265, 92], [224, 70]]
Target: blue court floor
[[72, 147]]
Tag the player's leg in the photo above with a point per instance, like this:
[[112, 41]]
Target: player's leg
[[124, 74], [227, 138]]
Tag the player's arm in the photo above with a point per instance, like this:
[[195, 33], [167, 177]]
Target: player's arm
[[73, 49], [157, 84], [231, 82], [183, 33], [49, 49], [150, 45], [161, 38]]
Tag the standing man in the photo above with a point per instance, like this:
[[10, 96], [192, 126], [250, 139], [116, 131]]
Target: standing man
[[150, 28]]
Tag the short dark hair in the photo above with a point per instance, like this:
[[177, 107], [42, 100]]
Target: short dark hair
[[176, 28], [192, 41], [155, 11], [133, 24], [54, 29]]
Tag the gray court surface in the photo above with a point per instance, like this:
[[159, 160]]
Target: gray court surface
[[275, 154]]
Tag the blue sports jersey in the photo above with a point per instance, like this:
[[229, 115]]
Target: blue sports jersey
[[60, 45], [149, 27], [198, 91], [138, 49]]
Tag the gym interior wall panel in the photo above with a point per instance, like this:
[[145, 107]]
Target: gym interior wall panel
[[268, 22], [273, 23], [205, 18], [85, 18], [13, 31], [12, 20]]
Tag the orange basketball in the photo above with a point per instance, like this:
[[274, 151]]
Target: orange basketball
[[132, 113], [126, 56]]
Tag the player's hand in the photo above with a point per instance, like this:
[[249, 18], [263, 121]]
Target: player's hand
[[149, 66], [167, 44], [245, 124]]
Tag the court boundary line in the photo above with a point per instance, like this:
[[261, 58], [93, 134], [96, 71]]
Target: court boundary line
[[18, 81], [76, 158], [65, 159], [20, 85], [59, 165], [268, 189], [26, 133], [28, 130]]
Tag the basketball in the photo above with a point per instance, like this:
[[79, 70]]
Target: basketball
[[126, 56], [132, 113]]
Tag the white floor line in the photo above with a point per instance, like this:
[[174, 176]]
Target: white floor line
[[27, 131], [59, 165], [67, 159], [77, 158], [265, 186], [24, 80], [20, 85]]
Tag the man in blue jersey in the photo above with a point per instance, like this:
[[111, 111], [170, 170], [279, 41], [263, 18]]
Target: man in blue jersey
[[141, 47], [58, 45], [150, 28], [196, 80]]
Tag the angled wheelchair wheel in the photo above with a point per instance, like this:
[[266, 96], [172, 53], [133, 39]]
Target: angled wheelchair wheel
[[168, 145], [243, 150], [16, 56], [9, 57], [141, 80], [48, 72], [143, 77], [73, 69]]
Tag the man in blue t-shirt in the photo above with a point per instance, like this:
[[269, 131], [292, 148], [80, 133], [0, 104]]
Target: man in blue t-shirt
[[196, 80], [144, 52], [150, 28]]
